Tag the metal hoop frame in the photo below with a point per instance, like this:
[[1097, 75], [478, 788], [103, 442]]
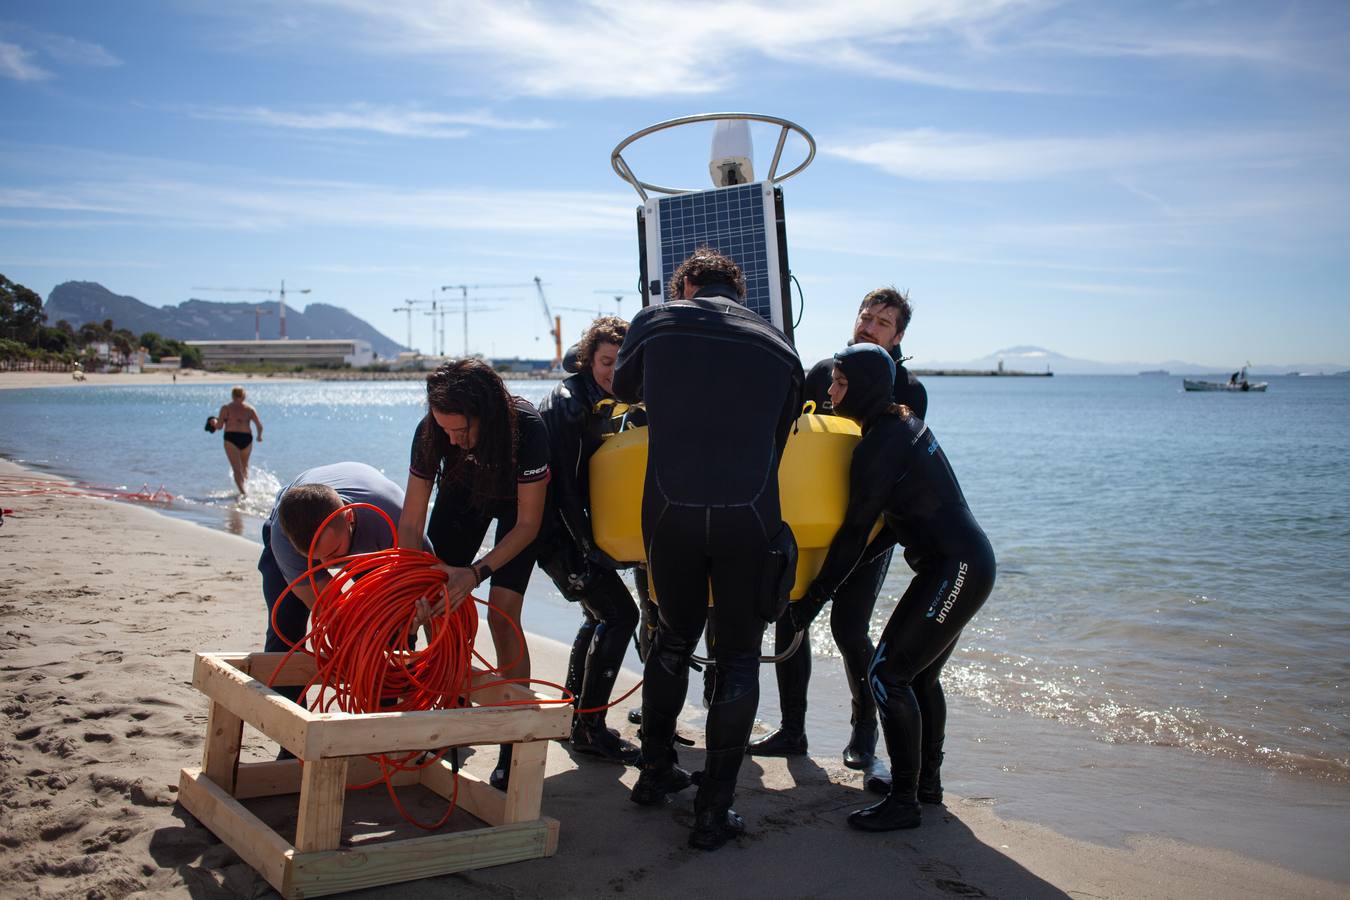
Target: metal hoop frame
[[621, 168]]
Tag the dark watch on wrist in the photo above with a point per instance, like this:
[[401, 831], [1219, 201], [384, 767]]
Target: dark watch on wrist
[[482, 571]]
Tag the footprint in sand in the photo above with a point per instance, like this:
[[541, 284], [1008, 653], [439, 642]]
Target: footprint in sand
[[135, 790], [67, 824], [118, 834], [97, 737]]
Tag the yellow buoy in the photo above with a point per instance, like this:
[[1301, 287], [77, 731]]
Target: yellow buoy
[[812, 487]]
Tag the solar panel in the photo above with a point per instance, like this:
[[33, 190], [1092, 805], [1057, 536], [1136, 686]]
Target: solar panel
[[744, 221]]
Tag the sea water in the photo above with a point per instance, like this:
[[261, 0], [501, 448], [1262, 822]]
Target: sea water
[[1173, 568]]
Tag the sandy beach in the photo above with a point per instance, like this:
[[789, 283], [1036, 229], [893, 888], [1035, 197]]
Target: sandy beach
[[182, 376], [104, 605]]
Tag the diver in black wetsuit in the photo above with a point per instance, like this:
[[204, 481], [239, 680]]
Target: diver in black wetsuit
[[883, 316], [710, 514], [899, 472], [575, 413]]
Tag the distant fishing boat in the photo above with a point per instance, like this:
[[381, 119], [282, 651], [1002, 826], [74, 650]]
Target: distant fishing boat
[[1224, 386], [1236, 382]]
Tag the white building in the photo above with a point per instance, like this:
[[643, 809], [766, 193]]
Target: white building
[[330, 353]]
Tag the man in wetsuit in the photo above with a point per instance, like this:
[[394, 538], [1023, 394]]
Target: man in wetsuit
[[883, 316], [710, 515]]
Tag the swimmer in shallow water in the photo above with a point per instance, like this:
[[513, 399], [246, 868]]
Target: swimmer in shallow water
[[238, 418]]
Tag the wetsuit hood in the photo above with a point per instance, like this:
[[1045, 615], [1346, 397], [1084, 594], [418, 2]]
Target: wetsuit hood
[[871, 379]]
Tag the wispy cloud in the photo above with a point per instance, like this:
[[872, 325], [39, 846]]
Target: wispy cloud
[[928, 154], [159, 192], [606, 48], [75, 52], [17, 63], [396, 121], [20, 63]]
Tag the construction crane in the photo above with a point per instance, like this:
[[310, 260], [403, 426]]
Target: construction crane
[[407, 307], [618, 298], [554, 325], [258, 313], [445, 310], [281, 307], [464, 296]]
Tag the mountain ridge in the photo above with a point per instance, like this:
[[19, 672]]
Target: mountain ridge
[[202, 320], [1031, 358]]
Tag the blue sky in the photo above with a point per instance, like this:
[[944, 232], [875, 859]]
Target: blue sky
[[1139, 181]]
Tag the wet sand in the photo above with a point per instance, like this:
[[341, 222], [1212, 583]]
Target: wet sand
[[104, 605], [184, 376]]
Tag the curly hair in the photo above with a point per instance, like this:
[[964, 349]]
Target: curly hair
[[604, 330], [890, 298], [705, 268], [471, 388]]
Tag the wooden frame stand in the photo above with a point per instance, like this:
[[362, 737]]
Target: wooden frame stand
[[334, 747]]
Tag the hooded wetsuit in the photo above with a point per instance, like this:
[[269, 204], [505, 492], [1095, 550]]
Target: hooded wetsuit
[[710, 508], [575, 415], [899, 472], [853, 602]]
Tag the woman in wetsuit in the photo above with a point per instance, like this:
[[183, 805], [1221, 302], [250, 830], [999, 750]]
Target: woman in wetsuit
[[900, 473], [576, 413], [485, 453], [235, 418]]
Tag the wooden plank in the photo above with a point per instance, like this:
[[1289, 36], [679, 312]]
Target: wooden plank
[[525, 789], [323, 787], [259, 846], [298, 669], [220, 752], [338, 734], [283, 776], [255, 703], [316, 874], [497, 693], [476, 797]]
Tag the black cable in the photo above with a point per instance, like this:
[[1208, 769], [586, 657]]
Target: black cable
[[801, 309]]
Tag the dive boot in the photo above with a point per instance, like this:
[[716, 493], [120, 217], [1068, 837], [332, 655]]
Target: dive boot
[[501, 775], [862, 746], [930, 775], [715, 822], [783, 742], [713, 828], [591, 737], [878, 780], [654, 785], [891, 814]]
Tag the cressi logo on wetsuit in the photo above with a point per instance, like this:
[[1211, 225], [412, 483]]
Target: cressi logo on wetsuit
[[932, 445], [952, 595]]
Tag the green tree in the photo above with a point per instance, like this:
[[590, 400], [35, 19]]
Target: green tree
[[92, 333], [154, 345], [54, 340], [21, 312]]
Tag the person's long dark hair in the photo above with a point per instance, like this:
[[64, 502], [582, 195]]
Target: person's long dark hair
[[470, 387]]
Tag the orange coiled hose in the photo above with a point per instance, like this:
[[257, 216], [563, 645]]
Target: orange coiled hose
[[361, 627]]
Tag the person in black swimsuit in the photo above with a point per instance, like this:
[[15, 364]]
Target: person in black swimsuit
[[576, 413], [900, 473], [485, 452], [710, 517], [883, 317], [238, 418]]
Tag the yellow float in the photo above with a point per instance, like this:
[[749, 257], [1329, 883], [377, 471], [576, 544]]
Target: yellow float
[[812, 486]]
